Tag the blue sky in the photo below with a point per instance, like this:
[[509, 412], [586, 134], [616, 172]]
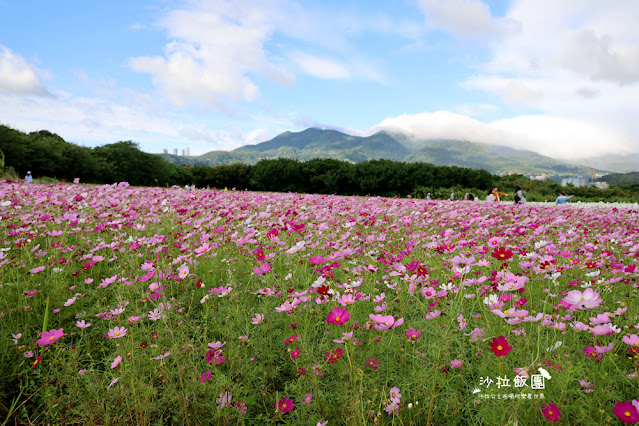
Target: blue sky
[[559, 78]]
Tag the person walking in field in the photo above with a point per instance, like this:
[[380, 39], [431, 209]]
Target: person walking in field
[[563, 198], [520, 195], [494, 195], [28, 177]]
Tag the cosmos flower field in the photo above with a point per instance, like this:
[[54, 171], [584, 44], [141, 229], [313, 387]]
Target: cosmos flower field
[[123, 305]]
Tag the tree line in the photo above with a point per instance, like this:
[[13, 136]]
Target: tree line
[[46, 154]]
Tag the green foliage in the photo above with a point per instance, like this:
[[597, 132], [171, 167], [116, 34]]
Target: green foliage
[[621, 178]]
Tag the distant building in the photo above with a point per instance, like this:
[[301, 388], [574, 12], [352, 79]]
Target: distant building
[[576, 182], [174, 151], [602, 185], [164, 151], [540, 177], [348, 161]]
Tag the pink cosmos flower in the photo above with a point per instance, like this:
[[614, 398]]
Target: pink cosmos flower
[[117, 332], [392, 408], [285, 405], [82, 324], [456, 363], [337, 316], [395, 396], [292, 338], [295, 353], [205, 376], [413, 334], [183, 271], [257, 319], [603, 349], [224, 400], [601, 330], [116, 361], [372, 363], [632, 340], [38, 269], [588, 299], [263, 269], [50, 336], [308, 399]]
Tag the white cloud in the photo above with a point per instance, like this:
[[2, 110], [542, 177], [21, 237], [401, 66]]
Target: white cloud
[[561, 138], [17, 76], [215, 52], [334, 69], [321, 67], [599, 57], [575, 65], [465, 18]]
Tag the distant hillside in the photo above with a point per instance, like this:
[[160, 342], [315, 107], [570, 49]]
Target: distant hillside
[[493, 158], [617, 163], [319, 143], [621, 178]]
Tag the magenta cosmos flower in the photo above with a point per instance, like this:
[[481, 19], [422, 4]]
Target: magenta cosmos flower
[[50, 336], [337, 316], [551, 412], [372, 363], [499, 346], [413, 334], [285, 405], [626, 412]]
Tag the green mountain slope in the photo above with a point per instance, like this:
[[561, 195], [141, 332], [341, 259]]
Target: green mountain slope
[[319, 143], [493, 158]]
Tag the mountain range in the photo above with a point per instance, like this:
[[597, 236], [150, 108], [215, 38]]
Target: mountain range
[[326, 143]]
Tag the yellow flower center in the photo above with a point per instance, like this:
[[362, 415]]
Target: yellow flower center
[[283, 406], [499, 348], [627, 414], [507, 312], [550, 413], [51, 338], [336, 318], [414, 336], [581, 299], [117, 333]]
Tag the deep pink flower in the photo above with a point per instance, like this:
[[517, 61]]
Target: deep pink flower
[[551, 412], [292, 338], [499, 346], [295, 353], [50, 336], [626, 412], [337, 316], [333, 356], [285, 405], [372, 363], [413, 334], [205, 376]]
